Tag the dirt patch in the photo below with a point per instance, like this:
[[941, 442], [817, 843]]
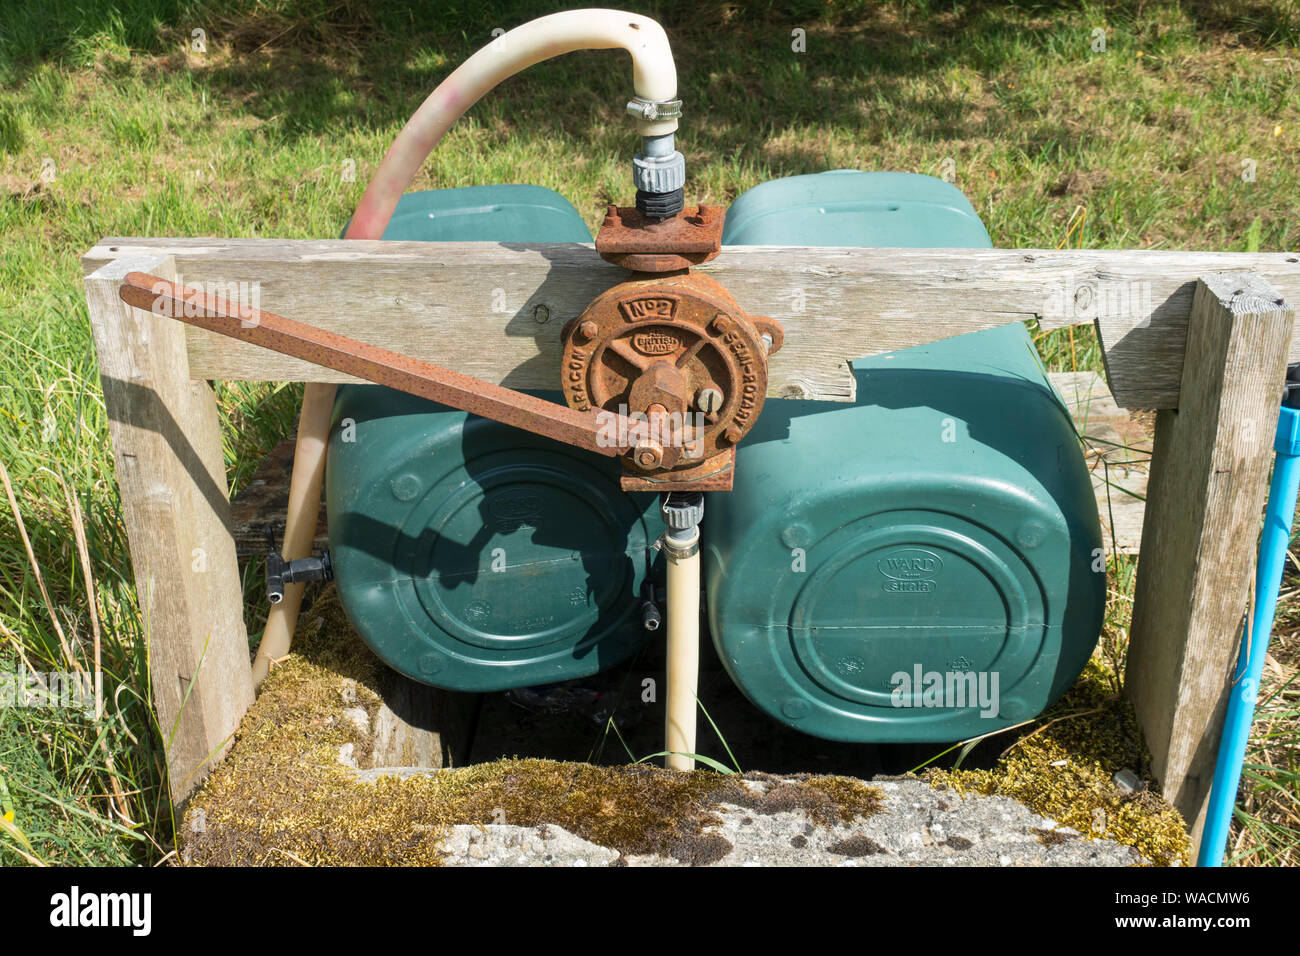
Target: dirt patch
[[1079, 184], [855, 846], [826, 800]]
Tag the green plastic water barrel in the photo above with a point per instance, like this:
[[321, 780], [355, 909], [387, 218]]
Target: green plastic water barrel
[[499, 213], [471, 555], [846, 207], [922, 564]]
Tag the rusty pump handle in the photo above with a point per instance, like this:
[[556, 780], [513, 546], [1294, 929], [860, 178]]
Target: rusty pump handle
[[586, 430]]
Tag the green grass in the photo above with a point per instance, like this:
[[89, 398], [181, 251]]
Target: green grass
[[1139, 146]]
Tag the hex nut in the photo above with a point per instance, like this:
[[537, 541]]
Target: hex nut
[[648, 454]]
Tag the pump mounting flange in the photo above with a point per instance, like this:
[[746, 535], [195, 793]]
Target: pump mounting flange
[[642, 243]]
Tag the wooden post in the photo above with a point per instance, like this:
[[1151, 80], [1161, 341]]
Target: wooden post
[[171, 473], [1208, 478]]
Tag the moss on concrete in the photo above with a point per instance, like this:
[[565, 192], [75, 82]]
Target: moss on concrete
[[826, 800], [1064, 769], [282, 797]]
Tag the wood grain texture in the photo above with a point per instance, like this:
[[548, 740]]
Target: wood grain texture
[[475, 307], [265, 501], [421, 726], [170, 469], [1117, 450], [1205, 496]]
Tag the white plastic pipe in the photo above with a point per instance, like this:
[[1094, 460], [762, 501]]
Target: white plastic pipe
[[683, 580], [654, 77]]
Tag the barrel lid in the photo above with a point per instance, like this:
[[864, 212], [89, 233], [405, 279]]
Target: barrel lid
[[888, 606], [474, 556]]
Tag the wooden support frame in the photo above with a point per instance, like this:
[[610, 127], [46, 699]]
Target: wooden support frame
[[172, 478], [1176, 333], [1209, 476], [475, 306]]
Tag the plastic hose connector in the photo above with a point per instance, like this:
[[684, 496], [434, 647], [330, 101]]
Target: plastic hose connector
[[682, 510], [1287, 439], [659, 174]]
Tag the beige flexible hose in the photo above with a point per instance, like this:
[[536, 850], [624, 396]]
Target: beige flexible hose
[[654, 77], [683, 652], [300, 523]]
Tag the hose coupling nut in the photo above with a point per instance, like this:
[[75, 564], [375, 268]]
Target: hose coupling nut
[[659, 174], [682, 510]]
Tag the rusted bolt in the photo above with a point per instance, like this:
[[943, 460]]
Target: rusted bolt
[[649, 454], [588, 329], [722, 324], [708, 400], [732, 434], [541, 314]]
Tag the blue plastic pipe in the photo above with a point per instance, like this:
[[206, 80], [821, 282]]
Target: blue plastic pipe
[[1278, 516]]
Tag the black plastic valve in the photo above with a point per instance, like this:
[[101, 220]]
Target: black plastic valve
[[280, 572]]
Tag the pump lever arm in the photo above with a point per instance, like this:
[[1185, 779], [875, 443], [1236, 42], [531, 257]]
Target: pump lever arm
[[190, 305]]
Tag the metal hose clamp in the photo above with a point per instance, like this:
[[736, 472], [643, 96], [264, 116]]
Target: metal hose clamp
[[654, 109], [676, 550]]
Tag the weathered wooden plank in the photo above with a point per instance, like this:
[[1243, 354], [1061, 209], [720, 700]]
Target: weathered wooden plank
[[421, 726], [1206, 492], [1117, 448], [265, 501], [170, 469], [477, 307]]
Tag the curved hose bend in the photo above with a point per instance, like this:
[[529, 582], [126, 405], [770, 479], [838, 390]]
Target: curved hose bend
[[654, 77]]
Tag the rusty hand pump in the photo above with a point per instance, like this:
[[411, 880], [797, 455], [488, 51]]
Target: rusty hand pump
[[664, 369]]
